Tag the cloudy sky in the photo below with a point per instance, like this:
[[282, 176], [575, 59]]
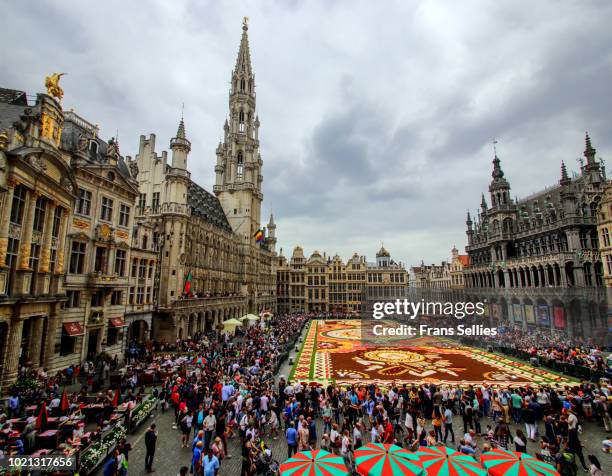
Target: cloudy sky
[[377, 117]]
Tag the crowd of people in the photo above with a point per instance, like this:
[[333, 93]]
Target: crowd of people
[[227, 391], [234, 397], [228, 394], [550, 347]]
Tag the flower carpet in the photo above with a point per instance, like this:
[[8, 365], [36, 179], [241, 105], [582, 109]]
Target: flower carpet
[[339, 351]]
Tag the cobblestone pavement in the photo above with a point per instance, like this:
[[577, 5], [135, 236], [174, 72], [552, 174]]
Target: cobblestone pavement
[[169, 455]]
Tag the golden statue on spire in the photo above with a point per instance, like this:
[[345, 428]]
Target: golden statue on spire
[[53, 87]]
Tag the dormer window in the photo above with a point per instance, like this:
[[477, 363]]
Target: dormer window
[[93, 148]]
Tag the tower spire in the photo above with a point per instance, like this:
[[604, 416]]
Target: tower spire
[[589, 150], [564, 177], [239, 165], [180, 133], [243, 61], [180, 146], [483, 203]]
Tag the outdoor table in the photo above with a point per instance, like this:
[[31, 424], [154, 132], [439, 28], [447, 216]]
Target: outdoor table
[[92, 409], [47, 439], [41, 452], [115, 417], [11, 435], [85, 438], [145, 378], [18, 423], [53, 423]]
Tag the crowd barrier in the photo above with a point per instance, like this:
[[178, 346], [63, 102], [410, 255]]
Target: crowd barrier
[[580, 372]]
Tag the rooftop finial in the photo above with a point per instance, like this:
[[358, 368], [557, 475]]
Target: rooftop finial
[[483, 203], [495, 147], [180, 133], [564, 177], [589, 151], [245, 23]]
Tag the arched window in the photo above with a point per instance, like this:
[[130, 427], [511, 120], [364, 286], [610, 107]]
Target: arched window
[[241, 121], [240, 167], [242, 85], [93, 148]]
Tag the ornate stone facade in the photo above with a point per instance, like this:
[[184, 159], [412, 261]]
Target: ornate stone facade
[[446, 275], [537, 261], [205, 239], [98, 244], [604, 231], [37, 188], [328, 284]]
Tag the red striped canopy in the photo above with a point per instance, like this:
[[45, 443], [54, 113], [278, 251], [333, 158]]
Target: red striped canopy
[[512, 463], [314, 463]]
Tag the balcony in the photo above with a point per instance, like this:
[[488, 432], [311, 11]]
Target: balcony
[[175, 172], [192, 303], [101, 279]]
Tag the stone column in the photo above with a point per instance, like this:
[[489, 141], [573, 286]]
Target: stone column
[[61, 241], [45, 253], [35, 341], [562, 276], [26, 231], [5, 218], [53, 321], [12, 351]]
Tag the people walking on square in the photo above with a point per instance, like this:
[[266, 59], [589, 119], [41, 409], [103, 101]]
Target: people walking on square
[[292, 439], [150, 444], [448, 425]]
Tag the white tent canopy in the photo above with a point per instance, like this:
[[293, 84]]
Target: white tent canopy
[[250, 317], [230, 325]]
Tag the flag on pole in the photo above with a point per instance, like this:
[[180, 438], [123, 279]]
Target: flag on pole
[[64, 404], [187, 289], [116, 398], [259, 236], [43, 418]]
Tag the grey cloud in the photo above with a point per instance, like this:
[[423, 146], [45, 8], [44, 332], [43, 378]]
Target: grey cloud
[[376, 118]]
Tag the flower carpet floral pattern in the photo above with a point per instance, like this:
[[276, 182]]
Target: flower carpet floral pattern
[[334, 351]]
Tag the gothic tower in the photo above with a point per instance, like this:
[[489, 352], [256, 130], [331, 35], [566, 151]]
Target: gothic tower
[[239, 164], [178, 176], [272, 234]]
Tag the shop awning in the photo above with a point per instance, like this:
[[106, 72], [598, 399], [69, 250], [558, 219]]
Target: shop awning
[[117, 322], [74, 329]]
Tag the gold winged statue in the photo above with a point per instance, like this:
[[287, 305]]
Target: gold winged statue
[[53, 87]]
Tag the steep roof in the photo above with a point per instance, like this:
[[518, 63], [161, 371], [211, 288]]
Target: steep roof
[[12, 104], [206, 206], [13, 96]]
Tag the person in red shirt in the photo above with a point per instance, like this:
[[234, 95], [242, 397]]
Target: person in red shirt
[[388, 431], [217, 388]]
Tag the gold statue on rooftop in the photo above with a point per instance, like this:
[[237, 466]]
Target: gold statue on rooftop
[[53, 87]]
